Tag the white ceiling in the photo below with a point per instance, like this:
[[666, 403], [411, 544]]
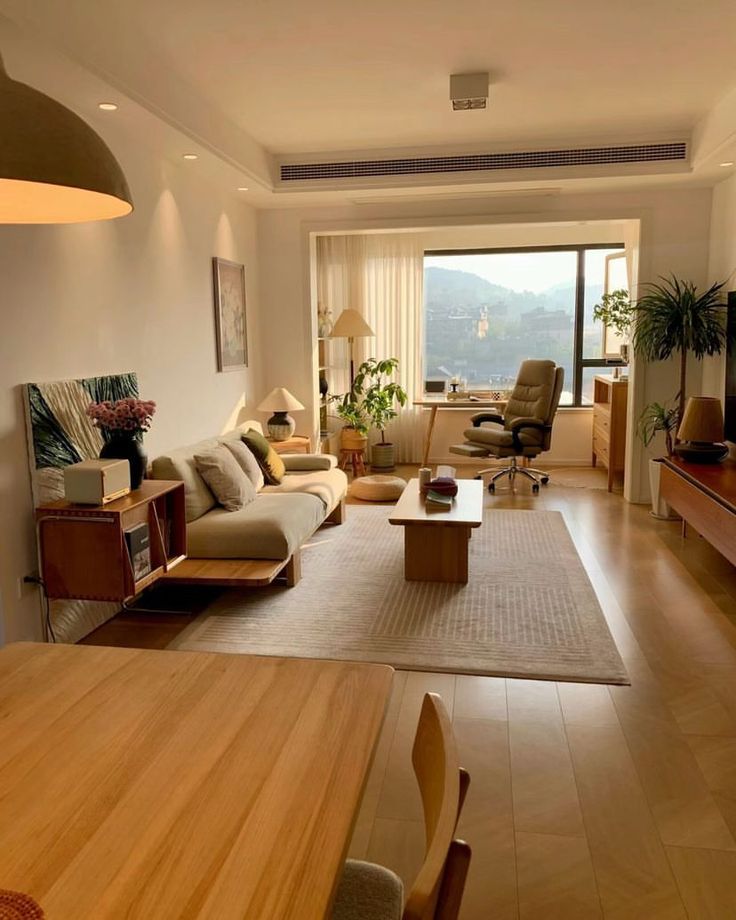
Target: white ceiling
[[249, 78]]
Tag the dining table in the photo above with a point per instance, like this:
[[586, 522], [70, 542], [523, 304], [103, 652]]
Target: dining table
[[169, 785]]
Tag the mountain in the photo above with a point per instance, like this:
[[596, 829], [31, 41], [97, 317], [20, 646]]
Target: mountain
[[446, 290]]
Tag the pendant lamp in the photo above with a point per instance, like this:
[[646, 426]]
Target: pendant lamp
[[54, 169]]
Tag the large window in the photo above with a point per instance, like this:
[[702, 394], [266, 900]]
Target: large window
[[488, 310]]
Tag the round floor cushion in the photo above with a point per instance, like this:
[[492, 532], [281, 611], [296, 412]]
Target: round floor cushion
[[377, 488]]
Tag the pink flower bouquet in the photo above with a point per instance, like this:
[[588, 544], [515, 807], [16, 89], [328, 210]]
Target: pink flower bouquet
[[130, 416]]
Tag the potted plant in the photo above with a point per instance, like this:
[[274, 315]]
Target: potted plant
[[616, 312], [658, 417], [371, 403], [674, 318], [354, 434]]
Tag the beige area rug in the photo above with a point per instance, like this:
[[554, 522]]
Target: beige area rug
[[528, 610]]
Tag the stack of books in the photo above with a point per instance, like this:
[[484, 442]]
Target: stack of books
[[440, 491]]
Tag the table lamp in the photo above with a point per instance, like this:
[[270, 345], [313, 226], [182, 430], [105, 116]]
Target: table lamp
[[280, 401], [701, 430], [350, 325]]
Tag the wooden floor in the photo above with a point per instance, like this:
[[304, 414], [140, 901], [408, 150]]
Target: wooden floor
[[586, 801]]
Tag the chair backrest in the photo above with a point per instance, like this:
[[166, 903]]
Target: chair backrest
[[438, 888], [536, 394]]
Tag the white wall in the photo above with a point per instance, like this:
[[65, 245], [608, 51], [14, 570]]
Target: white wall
[[127, 295], [674, 237]]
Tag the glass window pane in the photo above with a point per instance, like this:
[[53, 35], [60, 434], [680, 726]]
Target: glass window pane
[[595, 276], [617, 280], [486, 312]]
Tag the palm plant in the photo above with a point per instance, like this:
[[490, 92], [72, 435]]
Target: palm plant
[[673, 317]]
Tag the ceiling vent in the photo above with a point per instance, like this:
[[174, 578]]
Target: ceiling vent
[[487, 162], [468, 91]]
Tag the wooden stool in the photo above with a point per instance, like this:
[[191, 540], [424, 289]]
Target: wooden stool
[[356, 458]]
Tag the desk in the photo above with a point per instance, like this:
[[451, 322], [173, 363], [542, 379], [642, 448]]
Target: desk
[[145, 784], [434, 405]]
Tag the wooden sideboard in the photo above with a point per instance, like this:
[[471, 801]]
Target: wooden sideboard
[[609, 424], [704, 494]]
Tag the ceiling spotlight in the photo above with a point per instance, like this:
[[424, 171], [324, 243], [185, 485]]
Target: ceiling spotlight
[[190, 156], [468, 91], [242, 188], [107, 106], [727, 163]]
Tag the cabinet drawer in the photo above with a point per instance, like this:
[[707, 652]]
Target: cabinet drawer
[[600, 449], [601, 419], [603, 435]]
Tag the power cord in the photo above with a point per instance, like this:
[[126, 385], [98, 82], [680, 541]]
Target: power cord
[[37, 580]]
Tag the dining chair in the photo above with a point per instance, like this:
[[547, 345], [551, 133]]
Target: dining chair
[[370, 892]]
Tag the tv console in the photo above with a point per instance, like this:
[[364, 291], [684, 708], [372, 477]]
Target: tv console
[[704, 494]]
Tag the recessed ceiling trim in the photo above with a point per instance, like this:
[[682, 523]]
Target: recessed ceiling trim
[[530, 159]]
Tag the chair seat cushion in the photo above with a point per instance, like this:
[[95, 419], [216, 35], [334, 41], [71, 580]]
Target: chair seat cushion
[[368, 892], [377, 488], [500, 442]]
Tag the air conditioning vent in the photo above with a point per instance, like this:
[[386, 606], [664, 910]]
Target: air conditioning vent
[[532, 159]]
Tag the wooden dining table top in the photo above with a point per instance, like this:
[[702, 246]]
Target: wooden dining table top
[[168, 785]]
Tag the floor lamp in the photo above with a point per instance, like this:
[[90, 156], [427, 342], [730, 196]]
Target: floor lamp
[[350, 325]]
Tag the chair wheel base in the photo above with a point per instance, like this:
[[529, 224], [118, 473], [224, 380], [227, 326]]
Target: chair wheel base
[[491, 487], [535, 488], [545, 480], [477, 477]]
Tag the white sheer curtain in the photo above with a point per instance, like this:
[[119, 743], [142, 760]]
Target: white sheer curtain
[[382, 276]]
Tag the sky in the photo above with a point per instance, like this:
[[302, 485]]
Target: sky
[[522, 271]]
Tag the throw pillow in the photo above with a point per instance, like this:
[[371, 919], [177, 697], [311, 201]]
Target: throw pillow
[[268, 460], [223, 475], [246, 461]]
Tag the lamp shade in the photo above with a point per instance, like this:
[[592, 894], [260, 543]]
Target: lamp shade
[[702, 420], [54, 168], [280, 400], [350, 325]]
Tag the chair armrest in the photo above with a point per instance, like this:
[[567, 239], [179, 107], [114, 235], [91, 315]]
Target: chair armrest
[[296, 463], [517, 424], [479, 417], [526, 422]]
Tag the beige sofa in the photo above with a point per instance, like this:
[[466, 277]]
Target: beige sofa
[[254, 545]]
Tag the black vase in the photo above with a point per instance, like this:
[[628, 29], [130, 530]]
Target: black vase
[[124, 447]]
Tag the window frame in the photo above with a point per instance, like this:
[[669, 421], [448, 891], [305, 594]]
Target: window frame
[[579, 249]]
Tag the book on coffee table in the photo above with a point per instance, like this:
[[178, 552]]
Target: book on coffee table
[[436, 501]]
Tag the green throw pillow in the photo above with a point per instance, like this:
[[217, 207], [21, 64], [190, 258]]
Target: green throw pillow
[[268, 460]]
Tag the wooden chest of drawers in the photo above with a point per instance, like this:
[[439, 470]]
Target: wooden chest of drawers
[[609, 424]]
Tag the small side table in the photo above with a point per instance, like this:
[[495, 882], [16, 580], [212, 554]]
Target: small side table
[[296, 444], [354, 457]]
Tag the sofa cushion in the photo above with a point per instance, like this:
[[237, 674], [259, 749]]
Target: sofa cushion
[[179, 464], [328, 485], [305, 462], [246, 461], [223, 474], [271, 527], [268, 460]]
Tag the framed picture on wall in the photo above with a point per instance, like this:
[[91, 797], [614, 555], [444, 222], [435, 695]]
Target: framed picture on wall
[[230, 317]]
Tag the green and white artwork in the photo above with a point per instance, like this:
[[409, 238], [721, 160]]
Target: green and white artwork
[[59, 434]]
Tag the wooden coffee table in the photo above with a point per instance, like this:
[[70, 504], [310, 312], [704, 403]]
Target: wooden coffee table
[[436, 542]]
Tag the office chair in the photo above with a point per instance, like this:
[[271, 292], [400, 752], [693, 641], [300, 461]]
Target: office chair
[[525, 428]]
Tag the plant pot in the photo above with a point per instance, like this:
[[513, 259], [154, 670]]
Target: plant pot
[[350, 439], [382, 456], [660, 509], [123, 447]]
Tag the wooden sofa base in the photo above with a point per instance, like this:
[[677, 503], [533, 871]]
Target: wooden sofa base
[[235, 573], [244, 573]]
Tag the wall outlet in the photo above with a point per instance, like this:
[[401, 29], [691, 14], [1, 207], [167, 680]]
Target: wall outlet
[[26, 584]]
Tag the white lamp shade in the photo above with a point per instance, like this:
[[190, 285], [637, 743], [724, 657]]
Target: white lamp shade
[[350, 325], [280, 400], [702, 420], [54, 168]]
